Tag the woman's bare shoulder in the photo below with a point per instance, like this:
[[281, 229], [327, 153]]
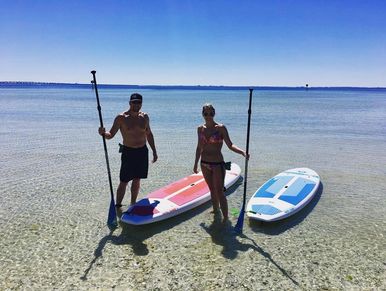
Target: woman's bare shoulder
[[220, 126], [200, 128]]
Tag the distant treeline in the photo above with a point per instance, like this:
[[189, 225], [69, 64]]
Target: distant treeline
[[170, 87]]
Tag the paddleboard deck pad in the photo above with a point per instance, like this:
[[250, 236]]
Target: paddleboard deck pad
[[283, 195], [175, 198]]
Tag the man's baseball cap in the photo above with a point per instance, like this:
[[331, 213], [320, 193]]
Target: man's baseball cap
[[136, 97]]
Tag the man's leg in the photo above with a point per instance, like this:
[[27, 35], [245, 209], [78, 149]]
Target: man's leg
[[135, 184], [121, 193]]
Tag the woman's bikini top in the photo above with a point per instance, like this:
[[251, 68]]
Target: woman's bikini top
[[214, 138]]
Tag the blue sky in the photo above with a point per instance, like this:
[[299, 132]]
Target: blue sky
[[203, 42]]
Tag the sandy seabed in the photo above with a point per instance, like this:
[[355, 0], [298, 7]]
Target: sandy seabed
[[54, 201], [62, 248]]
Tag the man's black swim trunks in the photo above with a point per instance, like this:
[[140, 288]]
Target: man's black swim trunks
[[134, 163]]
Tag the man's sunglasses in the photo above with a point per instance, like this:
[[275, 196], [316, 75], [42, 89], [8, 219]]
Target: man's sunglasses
[[136, 101]]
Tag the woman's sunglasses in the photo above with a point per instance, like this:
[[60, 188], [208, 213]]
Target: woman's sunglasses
[[208, 114]]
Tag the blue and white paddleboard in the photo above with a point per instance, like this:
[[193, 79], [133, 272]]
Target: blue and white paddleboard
[[283, 195]]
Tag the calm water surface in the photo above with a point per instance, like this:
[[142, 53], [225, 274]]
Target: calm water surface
[[53, 167]]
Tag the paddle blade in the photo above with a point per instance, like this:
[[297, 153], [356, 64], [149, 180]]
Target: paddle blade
[[112, 218], [240, 222]]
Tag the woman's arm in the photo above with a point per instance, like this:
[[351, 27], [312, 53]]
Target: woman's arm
[[229, 143], [198, 152]]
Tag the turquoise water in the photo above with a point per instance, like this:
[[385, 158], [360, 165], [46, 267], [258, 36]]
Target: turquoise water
[[53, 168]]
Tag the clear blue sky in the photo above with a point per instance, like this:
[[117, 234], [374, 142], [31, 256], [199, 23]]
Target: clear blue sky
[[205, 42]]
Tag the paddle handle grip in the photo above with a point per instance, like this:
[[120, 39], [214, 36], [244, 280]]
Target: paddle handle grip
[[94, 82]]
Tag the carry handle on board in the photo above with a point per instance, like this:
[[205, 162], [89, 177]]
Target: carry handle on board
[[112, 216]]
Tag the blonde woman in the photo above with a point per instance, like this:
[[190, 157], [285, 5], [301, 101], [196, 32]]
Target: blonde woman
[[211, 136]]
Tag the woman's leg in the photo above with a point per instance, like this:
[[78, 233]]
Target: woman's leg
[[218, 183], [208, 176]]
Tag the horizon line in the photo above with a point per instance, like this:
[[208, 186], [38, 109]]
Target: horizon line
[[307, 86]]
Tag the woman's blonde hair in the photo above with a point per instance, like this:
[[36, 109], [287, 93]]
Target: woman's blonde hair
[[208, 106]]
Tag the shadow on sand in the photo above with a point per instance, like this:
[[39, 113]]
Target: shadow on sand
[[221, 234], [225, 236], [136, 235], [278, 227]]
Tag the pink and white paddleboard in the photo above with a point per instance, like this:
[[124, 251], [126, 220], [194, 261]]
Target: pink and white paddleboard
[[175, 198]]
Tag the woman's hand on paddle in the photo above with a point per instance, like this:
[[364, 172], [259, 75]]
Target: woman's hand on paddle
[[245, 155]]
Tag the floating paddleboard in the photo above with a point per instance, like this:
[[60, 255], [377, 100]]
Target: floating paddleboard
[[175, 198], [283, 195]]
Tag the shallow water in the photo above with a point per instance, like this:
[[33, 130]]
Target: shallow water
[[54, 193]]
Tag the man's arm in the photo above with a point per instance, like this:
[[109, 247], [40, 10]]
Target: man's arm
[[150, 139], [114, 129]]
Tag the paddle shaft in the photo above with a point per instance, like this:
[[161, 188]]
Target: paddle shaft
[[240, 220], [103, 137], [247, 148]]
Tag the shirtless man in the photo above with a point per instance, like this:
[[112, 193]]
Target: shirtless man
[[134, 126]]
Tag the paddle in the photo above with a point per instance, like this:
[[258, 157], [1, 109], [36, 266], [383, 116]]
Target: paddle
[[112, 217], [240, 220]]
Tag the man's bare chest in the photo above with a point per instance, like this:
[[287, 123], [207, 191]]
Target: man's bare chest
[[134, 123]]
